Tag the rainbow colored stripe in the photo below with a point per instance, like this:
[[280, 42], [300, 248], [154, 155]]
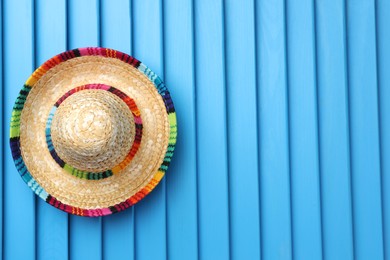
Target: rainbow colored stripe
[[133, 150], [15, 130]]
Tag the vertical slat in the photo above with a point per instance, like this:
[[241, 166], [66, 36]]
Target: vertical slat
[[242, 129], [83, 23], [50, 39], [366, 172], [116, 30], [333, 129], [19, 206], [213, 204], [273, 132], [83, 30], [3, 144], [305, 175], [182, 175], [150, 213], [383, 60], [118, 229]]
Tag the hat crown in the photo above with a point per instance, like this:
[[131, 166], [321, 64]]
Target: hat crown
[[92, 130]]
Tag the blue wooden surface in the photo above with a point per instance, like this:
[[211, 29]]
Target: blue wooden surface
[[51, 224], [364, 129], [242, 129], [284, 117], [333, 129], [213, 197], [383, 63], [18, 63], [274, 172], [1, 129], [303, 125], [181, 182]]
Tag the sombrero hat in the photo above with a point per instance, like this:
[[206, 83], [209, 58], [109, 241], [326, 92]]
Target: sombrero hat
[[93, 131]]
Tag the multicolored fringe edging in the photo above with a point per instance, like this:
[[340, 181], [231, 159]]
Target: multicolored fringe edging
[[15, 130]]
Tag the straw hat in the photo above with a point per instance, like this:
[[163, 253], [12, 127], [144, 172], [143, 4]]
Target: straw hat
[[93, 131]]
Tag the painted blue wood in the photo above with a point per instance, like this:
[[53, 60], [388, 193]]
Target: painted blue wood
[[85, 234], [117, 227], [276, 240], [3, 145], [303, 125], [283, 115], [242, 129], [50, 39], [363, 104], [213, 203], [18, 61], [333, 130], [181, 179], [383, 63], [150, 213]]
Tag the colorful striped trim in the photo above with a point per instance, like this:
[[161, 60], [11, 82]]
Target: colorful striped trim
[[15, 130], [133, 149]]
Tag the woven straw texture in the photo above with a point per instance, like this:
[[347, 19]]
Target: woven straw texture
[[93, 131]]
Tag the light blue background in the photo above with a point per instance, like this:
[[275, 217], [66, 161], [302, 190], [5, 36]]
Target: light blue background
[[284, 117]]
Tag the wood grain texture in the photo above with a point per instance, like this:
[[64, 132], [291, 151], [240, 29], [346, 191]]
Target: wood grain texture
[[242, 133], [303, 125], [333, 117], [364, 124], [3, 144], [213, 193], [19, 220], [383, 63], [276, 226], [181, 178], [50, 39]]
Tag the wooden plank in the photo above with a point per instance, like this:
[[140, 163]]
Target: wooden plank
[[213, 198], [383, 61], [182, 229], [19, 200], [334, 132], [273, 137], [118, 229], [363, 98], [83, 31], [4, 145], [242, 124], [116, 25], [303, 123], [50, 39], [150, 213]]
